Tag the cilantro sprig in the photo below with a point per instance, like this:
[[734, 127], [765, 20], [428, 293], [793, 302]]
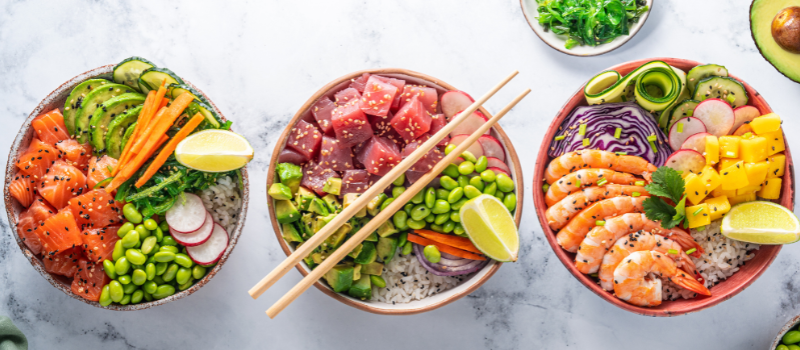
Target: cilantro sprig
[[667, 183]]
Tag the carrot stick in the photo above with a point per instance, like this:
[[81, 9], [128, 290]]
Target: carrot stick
[[132, 153], [169, 148], [125, 174], [444, 248], [137, 147], [164, 103], [453, 241], [148, 105], [159, 126]]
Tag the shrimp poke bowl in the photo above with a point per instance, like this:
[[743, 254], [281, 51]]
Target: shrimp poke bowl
[[665, 186], [116, 195], [346, 137]]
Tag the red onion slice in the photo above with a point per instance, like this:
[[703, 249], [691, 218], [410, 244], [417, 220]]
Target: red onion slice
[[442, 270]]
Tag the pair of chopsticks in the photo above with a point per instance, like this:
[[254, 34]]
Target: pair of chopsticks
[[307, 247]]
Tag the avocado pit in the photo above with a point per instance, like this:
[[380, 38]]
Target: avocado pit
[[786, 29]]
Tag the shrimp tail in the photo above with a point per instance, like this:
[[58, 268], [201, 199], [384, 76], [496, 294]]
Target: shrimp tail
[[686, 281], [686, 241]]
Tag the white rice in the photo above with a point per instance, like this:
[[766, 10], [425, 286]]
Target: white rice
[[224, 202], [407, 280]]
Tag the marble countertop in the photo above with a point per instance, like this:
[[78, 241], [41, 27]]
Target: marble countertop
[[260, 60]]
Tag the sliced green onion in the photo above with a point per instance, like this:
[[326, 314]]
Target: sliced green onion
[[639, 183], [635, 194], [585, 142], [698, 211], [690, 113], [653, 147], [673, 251], [652, 138], [600, 223], [690, 251], [731, 98], [602, 182], [578, 183], [680, 127], [617, 133], [582, 130], [699, 228], [621, 153], [560, 137], [545, 187], [748, 134], [105, 181]]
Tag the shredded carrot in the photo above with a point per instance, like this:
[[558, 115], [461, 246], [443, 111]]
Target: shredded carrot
[[444, 248], [453, 241], [148, 105], [132, 153], [149, 122], [169, 148], [126, 175]]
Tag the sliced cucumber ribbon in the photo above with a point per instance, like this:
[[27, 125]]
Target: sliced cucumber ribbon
[[656, 86]]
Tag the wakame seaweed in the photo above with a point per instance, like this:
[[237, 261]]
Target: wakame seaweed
[[589, 22]]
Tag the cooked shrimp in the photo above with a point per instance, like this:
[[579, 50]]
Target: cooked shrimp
[[571, 236], [573, 161], [573, 182], [601, 238], [559, 214], [637, 279], [640, 241]]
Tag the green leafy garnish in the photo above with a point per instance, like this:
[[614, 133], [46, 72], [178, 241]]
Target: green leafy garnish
[[589, 22], [667, 183]]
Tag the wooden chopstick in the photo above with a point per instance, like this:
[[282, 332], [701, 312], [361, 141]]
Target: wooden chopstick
[[308, 246], [385, 214]]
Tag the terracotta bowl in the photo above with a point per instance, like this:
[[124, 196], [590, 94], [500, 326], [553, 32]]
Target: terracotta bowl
[[54, 100], [434, 301], [786, 328], [722, 291]]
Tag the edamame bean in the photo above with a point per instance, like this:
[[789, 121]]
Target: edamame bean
[[148, 296], [468, 156], [488, 176], [125, 280], [135, 257], [163, 257], [459, 204], [510, 201], [459, 230], [791, 337], [161, 267], [477, 183], [139, 277], [441, 206], [471, 192], [415, 224], [164, 291], [105, 296], [137, 296], [481, 164], [183, 260], [463, 181], [131, 214], [430, 218], [430, 197], [198, 272], [169, 248], [386, 203], [150, 287], [108, 267], [499, 195], [449, 148], [186, 285], [490, 189], [159, 235], [451, 170], [407, 248], [418, 198], [793, 347], [150, 270], [402, 239], [164, 226], [407, 208], [466, 168], [449, 226], [437, 228], [448, 183], [148, 244], [119, 251], [158, 280], [441, 218], [441, 193], [150, 224], [169, 275], [141, 267], [399, 219], [115, 291], [397, 191], [124, 229], [377, 281], [122, 266], [455, 195], [128, 288], [399, 181], [125, 300], [168, 240], [183, 275], [143, 231], [504, 183], [455, 217], [131, 239], [782, 347], [432, 254], [419, 212]]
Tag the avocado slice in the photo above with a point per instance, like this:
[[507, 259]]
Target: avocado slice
[[337, 238], [356, 272], [128, 134], [357, 250], [387, 229], [290, 232], [387, 247], [368, 253], [290, 175], [373, 268], [333, 203], [280, 191], [762, 15], [303, 197], [362, 289], [340, 278], [349, 199], [319, 207], [333, 186], [286, 212], [106, 112], [90, 103], [117, 129], [320, 221], [75, 100], [373, 237], [306, 221]]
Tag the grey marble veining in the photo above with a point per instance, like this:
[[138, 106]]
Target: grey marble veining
[[260, 60]]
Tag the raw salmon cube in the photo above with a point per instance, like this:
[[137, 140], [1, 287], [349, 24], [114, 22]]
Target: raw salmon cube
[[315, 176], [427, 95], [379, 155], [89, 280], [96, 209], [62, 182], [427, 161], [334, 156], [305, 139], [411, 120], [289, 156], [346, 96], [355, 181], [378, 96], [30, 220], [322, 113], [359, 82], [98, 243], [351, 124], [50, 128], [22, 188], [63, 263], [74, 153], [37, 159], [99, 170], [59, 233]]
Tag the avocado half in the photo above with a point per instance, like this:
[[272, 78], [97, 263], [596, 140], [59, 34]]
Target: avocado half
[[762, 15]]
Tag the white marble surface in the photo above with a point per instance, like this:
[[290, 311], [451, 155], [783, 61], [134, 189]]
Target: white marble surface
[[260, 60]]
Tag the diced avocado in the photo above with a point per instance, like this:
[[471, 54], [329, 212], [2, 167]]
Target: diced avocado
[[374, 205], [319, 207], [333, 186], [290, 175], [305, 225], [320, 221], [367, 254], [387, 247], [373, 268], [373, 237], [349, 199], [356, 272], [362, 289], [338, 237], [340, 278], [286, 212], [280, 191], [310, 262], [333, 203], [386, 229], [304, 197], [290, 233], [317, 257]]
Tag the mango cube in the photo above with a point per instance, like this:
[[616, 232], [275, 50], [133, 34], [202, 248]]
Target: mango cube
[[756, 172], [712, 150], [753, 149], [711, 178], [719, 206], [777, 164], [771, 189], [775, 143], [726, 162], [734, 177], [729, 146], [719, 192], [695, 188], [742, 198], [766, 123], [748, 189], [698, 215]]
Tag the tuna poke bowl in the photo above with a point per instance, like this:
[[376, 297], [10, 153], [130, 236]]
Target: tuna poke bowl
[[347, 136], [116, 194], [665, 186]]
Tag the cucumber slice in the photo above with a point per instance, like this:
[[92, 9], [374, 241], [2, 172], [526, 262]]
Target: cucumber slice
[[175, 90], [90, 103], [75, 99], [684, 109], [725, 88], [657, 86], [701, 72], [128, 71], [128, 134], [152, 77], [211, 117], [108, 111], [116, 131]]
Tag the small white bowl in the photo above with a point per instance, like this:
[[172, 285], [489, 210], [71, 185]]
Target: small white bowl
[[557, 41]]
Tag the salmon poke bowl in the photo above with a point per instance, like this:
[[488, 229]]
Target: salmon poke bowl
[[346, 137], [112, 200], [665, 186]]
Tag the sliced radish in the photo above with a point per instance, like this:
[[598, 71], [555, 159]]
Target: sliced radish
[[743, 115], [197, 237], [497, 163], [688, 126], [686, 160], [210, 251], [476, 149], [499, 171], [457, 161], [454, 101], [717, 115], [186, 216], [696, 142], [492, 147], [470, 124]]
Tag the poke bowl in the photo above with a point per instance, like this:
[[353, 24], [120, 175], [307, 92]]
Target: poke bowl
[[83, 268], [403, 268], [705, 242]]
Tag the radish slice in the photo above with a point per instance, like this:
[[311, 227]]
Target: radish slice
[[186, 216], [688, 126], [454, 101], [197, 237], [458, 161], [743, 115], [499, 171], [717, 115], [696, 142], [497, 163], [476, 149], [210, 251], [686, 160], [492, 147], [470, 124]]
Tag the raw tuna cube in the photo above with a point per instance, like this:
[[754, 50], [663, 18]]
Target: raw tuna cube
[[322, 113], [379, 155], [305, 139], [315, 175], [351, 124], [411, 120], [355, 181], [413, 176], [427, 162], [438, 121], [289, 156], [346, 95], [378, 96], [334, 156], [428, 96], [360, 82], [399, 84]]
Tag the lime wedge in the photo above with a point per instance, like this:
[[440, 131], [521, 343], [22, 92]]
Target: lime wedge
[[490, 227], [214, 151], [761, 222]]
